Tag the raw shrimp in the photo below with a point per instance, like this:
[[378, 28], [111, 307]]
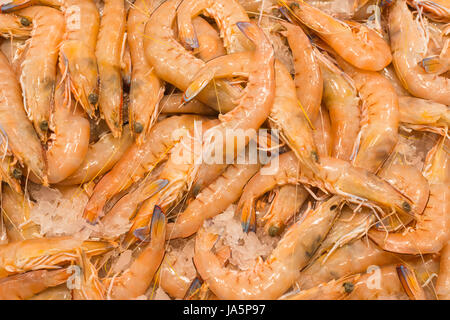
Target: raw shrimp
[[431, 231], [77, 52], [287, 202], [322, 133], [424, 114], [210, 45], [174, 64], [443, 281], [356, 43], [137, 161], [174, 104], [379, 120], [16, 215], [38, 70], [340, 98], [226, 13], [136, 279], [409, 47], [90, 288], [308, 78], [108, 52], [45, 253], [14, 26], [15, 126], [212, 200], [438, 10], [100, 157], [269, 279], [146, 89], [10, 173], [258, 96], [26, 285], [363, 287], [355, 257], [70, 142], [336, 176]]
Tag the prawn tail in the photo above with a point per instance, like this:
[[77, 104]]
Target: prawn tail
[[158, 224], [16, 5], [248, 218], [434, 64], [193, 289], [197, 86], [152, 188], [409, 282]]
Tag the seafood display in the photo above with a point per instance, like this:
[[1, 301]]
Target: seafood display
[[224, 150]]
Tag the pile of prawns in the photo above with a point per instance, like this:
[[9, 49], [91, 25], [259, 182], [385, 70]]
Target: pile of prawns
[[92, 98]]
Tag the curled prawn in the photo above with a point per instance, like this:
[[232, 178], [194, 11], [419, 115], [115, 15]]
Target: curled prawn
[[226, 13], [380, 117], [409, 47], [174, 64], [269, 279], [431, 230], [355, 43]]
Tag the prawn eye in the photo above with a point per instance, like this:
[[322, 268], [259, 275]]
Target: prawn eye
[[25, 22], [333, 207], [406, 206], [93, 98], [43, 125], [273, 231], [315, 156], [16, 173], [138, 127], [348, 287], [294, 5]]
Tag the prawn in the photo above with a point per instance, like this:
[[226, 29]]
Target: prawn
[[226, 13], [45, 253], [308, 76], [340, 98], [174, 64], [269, 279], [70, 140], [38, 69], [108, 54], [431, 231], [380, 117], [10, 173], [135, 280], [16, 212], [16, 127], [409, 46], [146, 89], [26, 285], [355, 43]]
